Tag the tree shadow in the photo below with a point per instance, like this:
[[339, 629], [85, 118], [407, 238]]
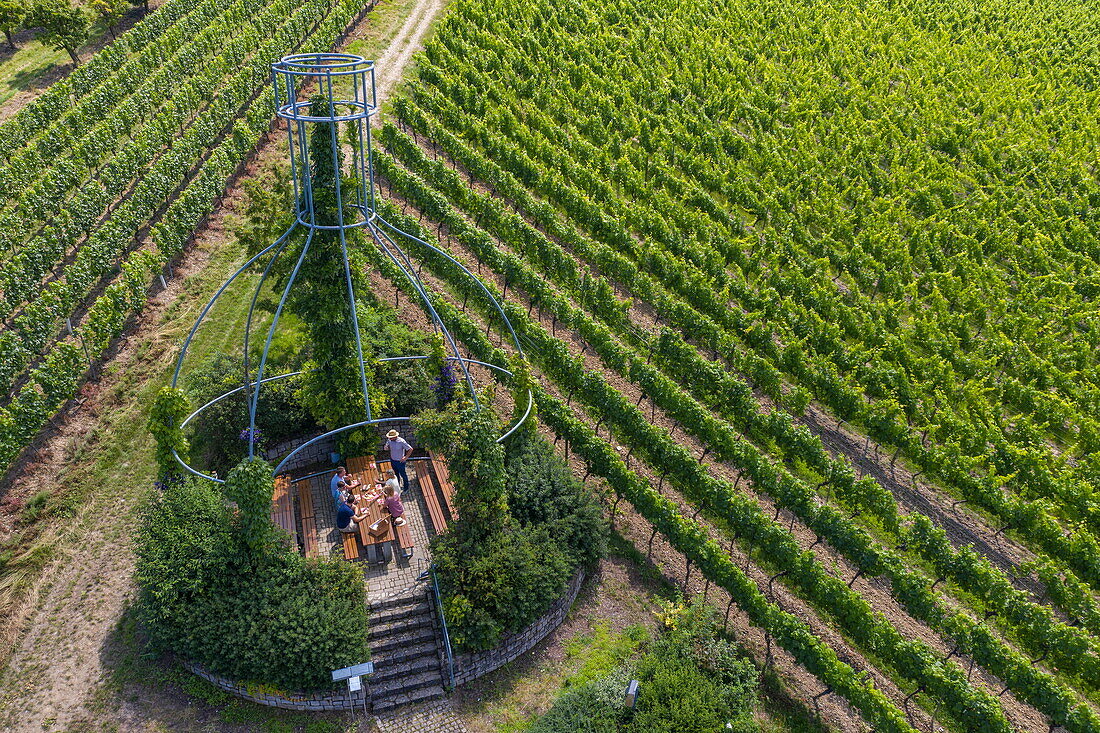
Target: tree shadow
[[147, 691]]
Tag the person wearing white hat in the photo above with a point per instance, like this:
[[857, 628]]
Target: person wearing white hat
[[400, 450]]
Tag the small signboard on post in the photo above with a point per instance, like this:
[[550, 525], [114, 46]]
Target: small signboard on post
[[356, 670]]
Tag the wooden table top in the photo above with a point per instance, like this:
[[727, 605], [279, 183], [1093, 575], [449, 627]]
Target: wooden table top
[[366, 472]]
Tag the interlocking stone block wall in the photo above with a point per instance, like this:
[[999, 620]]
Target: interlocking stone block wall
[[271, 697], [471, 665]]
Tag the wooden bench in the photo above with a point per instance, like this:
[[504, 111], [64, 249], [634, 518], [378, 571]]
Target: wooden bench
[[430, 490], [282, 509], [309, 522], [443, 474], [351, 545]]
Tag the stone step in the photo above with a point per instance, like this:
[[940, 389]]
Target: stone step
[[399, 640], [419, 695], [404, 685], [405, 654], [402, 612], [399, 602], [380, 632], [385, 671]]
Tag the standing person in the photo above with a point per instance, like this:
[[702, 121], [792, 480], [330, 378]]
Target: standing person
[[400, 450]]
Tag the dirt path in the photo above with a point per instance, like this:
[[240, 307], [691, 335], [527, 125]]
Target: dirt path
[[392, 62], [58, 641]]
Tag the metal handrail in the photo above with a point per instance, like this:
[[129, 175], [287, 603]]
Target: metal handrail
[[443, 621]]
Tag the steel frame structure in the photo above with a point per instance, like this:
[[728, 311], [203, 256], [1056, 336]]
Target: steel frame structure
[[331, 73]]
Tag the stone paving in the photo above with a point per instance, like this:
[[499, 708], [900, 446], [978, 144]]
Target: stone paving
[[399, 574], [436, 716]]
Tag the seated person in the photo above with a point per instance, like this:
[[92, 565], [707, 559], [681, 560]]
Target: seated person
[[391, 480], [347, 518], [336, 484], [393, 505]]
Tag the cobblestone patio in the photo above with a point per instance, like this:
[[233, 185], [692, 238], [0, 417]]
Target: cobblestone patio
[[436, 716], [399, 574]]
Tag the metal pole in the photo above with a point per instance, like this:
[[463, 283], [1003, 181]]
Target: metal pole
[[344, 248], [267, 345]]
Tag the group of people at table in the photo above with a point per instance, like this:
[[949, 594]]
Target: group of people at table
[[353, 499]]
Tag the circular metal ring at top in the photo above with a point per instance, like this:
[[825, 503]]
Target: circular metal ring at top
[[309, 64]]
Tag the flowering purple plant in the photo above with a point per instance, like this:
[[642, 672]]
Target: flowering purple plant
[[444, 385], [249, 435], [168, 482]]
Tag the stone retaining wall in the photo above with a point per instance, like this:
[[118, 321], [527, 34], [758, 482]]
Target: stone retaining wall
[[468, 666], [318, 453], [471, 665], [271, 697]]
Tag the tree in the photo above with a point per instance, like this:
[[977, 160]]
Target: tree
[[63, 26], [111, 11], [12, 13], [331, 385]]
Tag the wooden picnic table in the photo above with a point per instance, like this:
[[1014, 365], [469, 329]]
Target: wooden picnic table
[[369, 473]]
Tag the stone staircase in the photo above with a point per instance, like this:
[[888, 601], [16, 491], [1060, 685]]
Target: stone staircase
[[405, 646]]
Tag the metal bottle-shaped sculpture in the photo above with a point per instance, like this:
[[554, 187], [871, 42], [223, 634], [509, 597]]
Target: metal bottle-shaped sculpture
[[334, 202]]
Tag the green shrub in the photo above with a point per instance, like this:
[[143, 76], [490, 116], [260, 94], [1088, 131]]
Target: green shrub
[[499, 584], [542, 491], [407, 383], [467, 436], [596, 707], [496, 574], [266, 616], [216, 441], [692, 680], [168, 413]]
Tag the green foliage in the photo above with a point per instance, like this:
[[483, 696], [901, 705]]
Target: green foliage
[[62, 25], [595, 707], [53, 146], [499, 583], [542, 491], [215, 434], [110, 12], [467, 437], [666, 515], [12, 13], [271, 618], [167, 414], [406, 384], [332, 387], [498, 574], [267, 212], [521, 384], [250, 485], [691, 679]]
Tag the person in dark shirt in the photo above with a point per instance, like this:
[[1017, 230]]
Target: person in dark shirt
[[347, 519]]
